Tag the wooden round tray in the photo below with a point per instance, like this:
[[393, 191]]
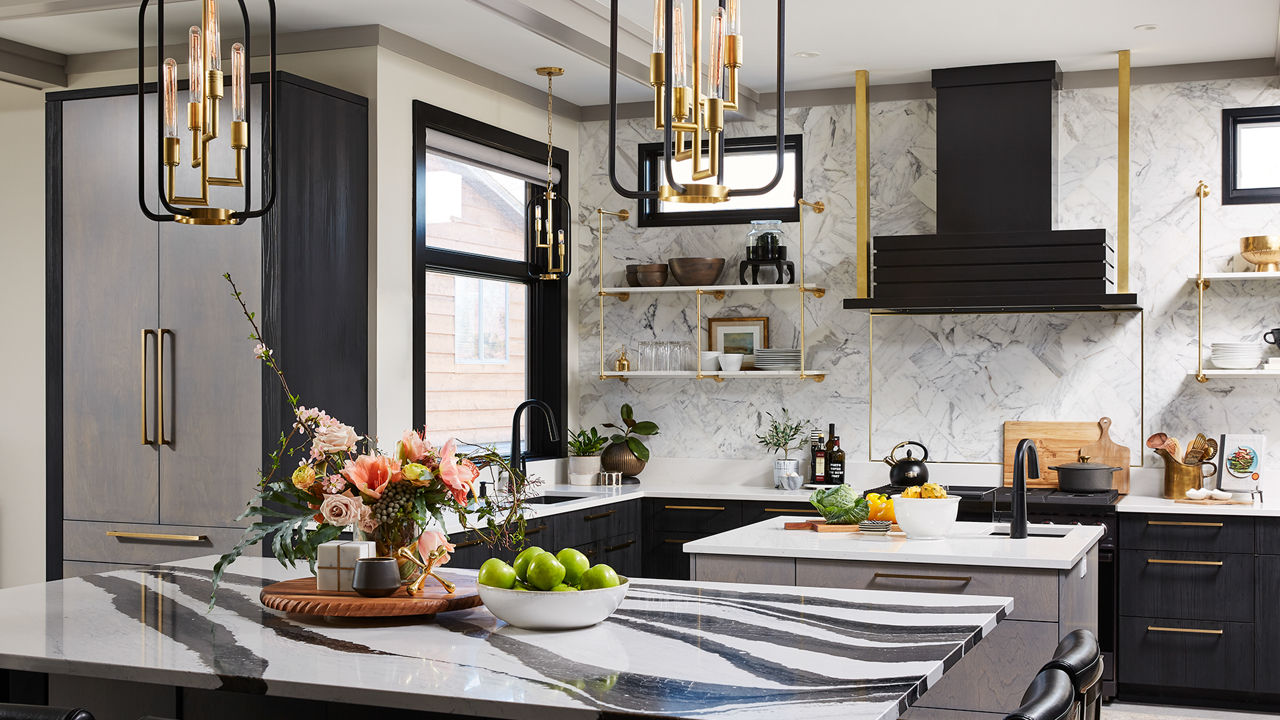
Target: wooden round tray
[[300, 596]]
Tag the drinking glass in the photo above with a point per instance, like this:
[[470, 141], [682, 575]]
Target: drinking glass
[[644, 357], [663, 361]]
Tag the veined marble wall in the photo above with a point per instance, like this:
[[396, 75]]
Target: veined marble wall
[[951, 381]]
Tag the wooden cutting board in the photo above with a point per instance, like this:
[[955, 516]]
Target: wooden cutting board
[[301, 596], [1064, 442]]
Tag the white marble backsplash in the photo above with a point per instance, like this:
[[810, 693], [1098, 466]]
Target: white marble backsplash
[[951, 381]]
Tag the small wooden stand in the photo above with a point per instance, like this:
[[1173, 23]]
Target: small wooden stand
[[300, 596]]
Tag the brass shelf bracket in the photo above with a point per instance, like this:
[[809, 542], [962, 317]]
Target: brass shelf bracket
[[818, 207], [622, 216], [1201, 192]]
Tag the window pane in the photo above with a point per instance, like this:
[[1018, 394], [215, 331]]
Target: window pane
[[1258, 155], [742, 170], [475, 348], [473, 209]]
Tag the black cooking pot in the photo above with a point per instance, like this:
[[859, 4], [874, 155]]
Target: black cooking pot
[[1085, 476]]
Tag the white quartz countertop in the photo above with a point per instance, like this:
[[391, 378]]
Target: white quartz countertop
[[1147, 504], [672, 650], [967, 544]]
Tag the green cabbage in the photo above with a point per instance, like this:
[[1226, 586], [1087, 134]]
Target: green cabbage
[[840, 505]]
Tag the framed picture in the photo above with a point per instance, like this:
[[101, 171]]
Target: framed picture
[[737, 334]]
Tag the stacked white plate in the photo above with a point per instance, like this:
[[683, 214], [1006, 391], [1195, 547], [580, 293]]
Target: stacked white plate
[[777, 359], [1237, 356]]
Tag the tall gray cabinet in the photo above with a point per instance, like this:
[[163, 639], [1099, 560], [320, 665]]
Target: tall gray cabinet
[[159, 415]]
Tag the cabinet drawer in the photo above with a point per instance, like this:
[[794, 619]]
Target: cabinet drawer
[[139, 544], [664, 556], [598, 523], [1207, 586], [1186, 653], [1192, 533], [1268, 536], [622, 553], [695, 516], [754, 512], [468, 551], [1035, 592]]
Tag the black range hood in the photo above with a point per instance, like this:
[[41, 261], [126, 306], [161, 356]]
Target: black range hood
[[995, 249]]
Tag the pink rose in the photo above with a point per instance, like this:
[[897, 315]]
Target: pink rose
[[413, 448], [429, 540], [337, 438], [367, 523], [371, 474], [341, 510], [460, 478]]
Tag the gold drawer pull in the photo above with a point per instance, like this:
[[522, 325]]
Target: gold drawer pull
[[157, 536], [536, 530], [693, 507], [939, 578], [1157, 561], [626, 544], [675, 542], [1194, 631], [792, 512], [466, 544], [142, 367], [598, 516], [1183, 523]]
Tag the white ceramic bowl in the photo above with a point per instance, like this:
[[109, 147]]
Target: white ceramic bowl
[[1236, 363], [710, 360], [553, 610], [731, 362], [926, 518]]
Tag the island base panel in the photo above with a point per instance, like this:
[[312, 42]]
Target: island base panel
[[737, 569], [996, 672]]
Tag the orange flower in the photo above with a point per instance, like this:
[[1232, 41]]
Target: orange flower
[[459, 477], [429, 540], [371, 474]]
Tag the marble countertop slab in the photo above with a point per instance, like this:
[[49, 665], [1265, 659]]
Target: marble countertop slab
[[968, 544], [672, 650], [1148, 504]]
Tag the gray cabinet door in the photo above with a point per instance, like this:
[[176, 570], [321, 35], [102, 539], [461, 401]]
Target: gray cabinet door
[[109, 297]]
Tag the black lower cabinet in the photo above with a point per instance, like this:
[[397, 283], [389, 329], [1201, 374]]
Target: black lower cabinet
[[1190, 654], [1267, 631]]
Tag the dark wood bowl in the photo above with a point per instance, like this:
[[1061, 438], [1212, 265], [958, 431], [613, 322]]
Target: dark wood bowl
[[695, 270], [652, 278]]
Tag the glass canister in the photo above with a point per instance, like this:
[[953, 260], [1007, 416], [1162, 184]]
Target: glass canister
[[764, 240]]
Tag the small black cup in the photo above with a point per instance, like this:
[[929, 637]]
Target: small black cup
[[376, 577], [1272, 336]]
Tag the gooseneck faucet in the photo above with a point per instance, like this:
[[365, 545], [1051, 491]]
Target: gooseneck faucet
[[517, 457], [1021, 471]]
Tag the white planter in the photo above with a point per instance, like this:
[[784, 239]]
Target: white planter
[[786, 475], [584, 469]]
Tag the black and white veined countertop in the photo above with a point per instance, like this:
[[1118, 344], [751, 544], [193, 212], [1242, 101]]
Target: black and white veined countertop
[[672, 650]]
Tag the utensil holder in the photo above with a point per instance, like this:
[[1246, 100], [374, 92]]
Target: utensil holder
[[1179, 477]]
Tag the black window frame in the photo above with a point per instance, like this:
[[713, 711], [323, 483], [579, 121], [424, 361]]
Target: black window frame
[[651, 175], [1232, 120], [547, 306]]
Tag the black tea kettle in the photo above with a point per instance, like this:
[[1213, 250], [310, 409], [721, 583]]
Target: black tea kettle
[[908, 471]]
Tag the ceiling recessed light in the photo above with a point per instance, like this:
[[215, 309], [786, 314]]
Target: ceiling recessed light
[[808, 54], [1146, 26]]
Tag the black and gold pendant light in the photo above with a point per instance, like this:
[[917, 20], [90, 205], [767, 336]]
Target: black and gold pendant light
[[550, 257], [689, 106], [205, 94]]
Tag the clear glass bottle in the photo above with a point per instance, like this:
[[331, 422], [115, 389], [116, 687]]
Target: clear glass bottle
[[766, 237]]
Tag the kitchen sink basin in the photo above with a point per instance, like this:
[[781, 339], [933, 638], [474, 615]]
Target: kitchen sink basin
[[552, 499], [1035, 531]]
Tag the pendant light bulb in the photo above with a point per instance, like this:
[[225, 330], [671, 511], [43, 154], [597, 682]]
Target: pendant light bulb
[[238, 86], [170, 98], [733, 21], [214, 37], [195, 66], [715, 68], [659, 27], [679, 69]]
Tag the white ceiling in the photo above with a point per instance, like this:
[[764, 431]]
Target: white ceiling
[[896, 40]]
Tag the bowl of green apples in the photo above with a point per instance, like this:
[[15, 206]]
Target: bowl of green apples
[[545, 591]]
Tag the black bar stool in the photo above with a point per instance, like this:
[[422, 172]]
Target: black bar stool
[[39, 712], [1079, 656], [1051, 696]]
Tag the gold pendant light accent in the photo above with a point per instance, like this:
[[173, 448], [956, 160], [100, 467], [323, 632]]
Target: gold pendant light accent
[[546, 236]]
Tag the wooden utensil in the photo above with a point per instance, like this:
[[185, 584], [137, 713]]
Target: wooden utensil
[[1168, 444], [1107, 451], [300, 596], [1061, 443], [1197, 450]]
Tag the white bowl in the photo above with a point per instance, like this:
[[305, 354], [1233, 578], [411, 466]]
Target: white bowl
[[553, 610], [1236, 363], [731, 362], [710, 360], [926, 518]]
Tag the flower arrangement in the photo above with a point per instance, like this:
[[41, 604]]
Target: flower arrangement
[[344, 481]]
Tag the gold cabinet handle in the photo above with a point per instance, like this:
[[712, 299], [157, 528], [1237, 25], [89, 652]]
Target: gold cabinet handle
[[792, 512], [1178, 523], [160, 438], [1158, 561], [598, 516], [142, 384], [157, 536], [536, 530], [693, 507], [939, 578], [675, 542], [466, 544], [1194, 631], [626, 544]]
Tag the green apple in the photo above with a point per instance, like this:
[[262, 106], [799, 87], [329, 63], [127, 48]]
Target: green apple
[[599, 576], [574, 562], [545, 571], [496, 573], [562, 587], [521, 563]]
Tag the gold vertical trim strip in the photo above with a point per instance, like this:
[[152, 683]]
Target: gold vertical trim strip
[[1122, 185], [862, 136], [600, 284]]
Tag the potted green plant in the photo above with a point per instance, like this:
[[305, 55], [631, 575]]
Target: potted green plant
[[783, 435], [626, 453], [585, 445]]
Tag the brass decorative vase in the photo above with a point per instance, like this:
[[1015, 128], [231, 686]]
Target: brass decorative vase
[[619, 458], [1179, 477]]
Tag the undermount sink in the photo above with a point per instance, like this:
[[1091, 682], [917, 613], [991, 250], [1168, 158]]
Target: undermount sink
[[552, 499], [1052, 531]]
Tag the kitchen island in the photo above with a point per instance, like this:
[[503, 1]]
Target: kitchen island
[[1051, 575], [140, 641]]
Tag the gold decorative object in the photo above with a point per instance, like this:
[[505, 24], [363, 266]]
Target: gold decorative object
[[428, 569], [1263, 251], [623, 363], [546, 236]]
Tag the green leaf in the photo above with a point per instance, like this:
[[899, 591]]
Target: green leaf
[[645, 427], [617, 438], [638, 448], [627, 413]]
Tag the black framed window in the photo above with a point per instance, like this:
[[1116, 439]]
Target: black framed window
[[748, 162], [486, 333], [1251, 155]]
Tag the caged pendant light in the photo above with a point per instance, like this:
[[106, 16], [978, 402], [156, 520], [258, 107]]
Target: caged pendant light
[[205, 97], [688, 106], [550, 257]]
